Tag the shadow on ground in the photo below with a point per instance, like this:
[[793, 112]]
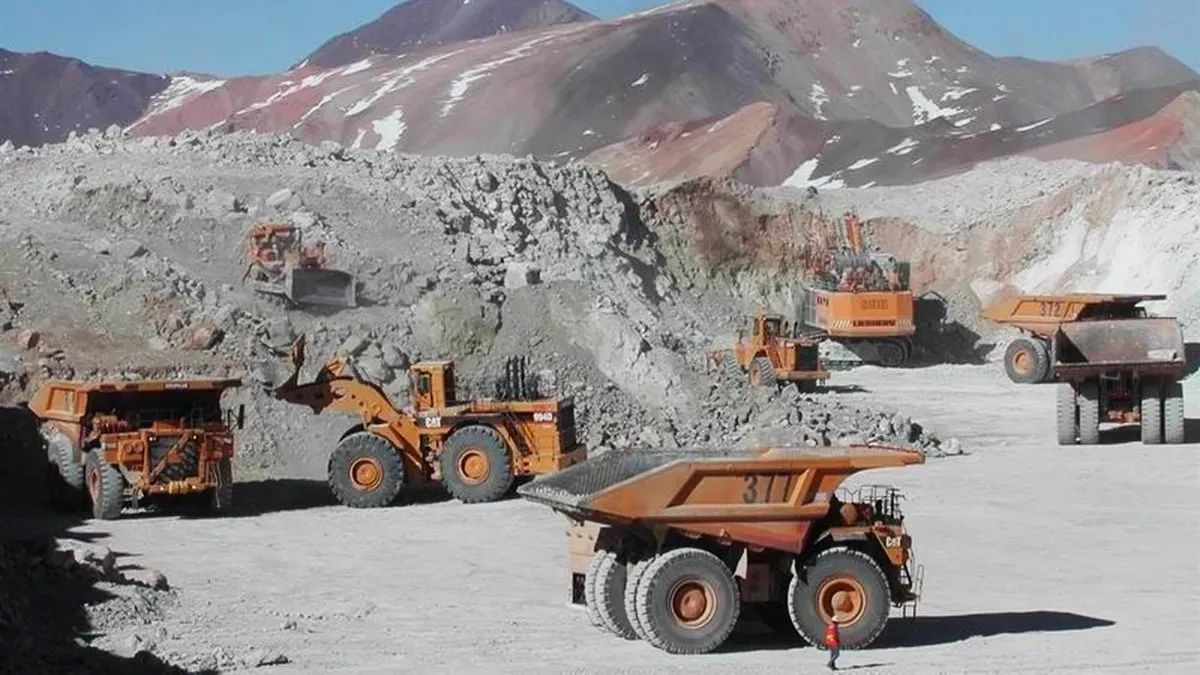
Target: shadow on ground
[[925, 631], [43, 617]]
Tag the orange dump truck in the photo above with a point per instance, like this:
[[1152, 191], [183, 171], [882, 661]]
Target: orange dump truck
[[126, 441], [1114, 363], [671, 546]]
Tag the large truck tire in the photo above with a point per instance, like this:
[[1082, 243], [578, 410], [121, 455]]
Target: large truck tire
[[634, 576], [589, 591], [845, 583], [61, 453], [1174, 426], [1068, 415], [105, 485], [365, 471], [609, 590], [1151, 412], [1027, 361], [1089, 412], [222, 494], [762, 372], [476, 466], [688, 601]]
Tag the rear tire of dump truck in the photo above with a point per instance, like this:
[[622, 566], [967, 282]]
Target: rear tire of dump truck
[[1089, 412], [1174, 426], [1152, 412], [842, 582], [476, 466], [365, 471], [762, 373], [633, 577], [609, 591], [222, 494], [589, 591], [688, 601], [105, 486], [1068, 415], [62, 454], [1027, 361]]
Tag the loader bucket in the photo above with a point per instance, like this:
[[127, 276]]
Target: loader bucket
[[1120, 343], [311, 286]]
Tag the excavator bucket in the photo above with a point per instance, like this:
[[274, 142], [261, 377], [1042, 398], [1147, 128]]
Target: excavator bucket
[[313, 286]]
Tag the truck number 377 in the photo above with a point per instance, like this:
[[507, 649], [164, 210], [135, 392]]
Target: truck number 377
[[759, 488]]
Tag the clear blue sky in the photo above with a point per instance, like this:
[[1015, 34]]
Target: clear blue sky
[[231, 37]]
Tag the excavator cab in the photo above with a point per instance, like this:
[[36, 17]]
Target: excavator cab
[[432, 385]]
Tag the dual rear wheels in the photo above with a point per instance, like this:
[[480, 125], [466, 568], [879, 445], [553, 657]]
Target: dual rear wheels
[[687, 600], [1160, 408]]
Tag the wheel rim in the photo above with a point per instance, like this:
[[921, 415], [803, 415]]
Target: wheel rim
[[693, 603], [474, 467], [366, 474], [93, 482], [841, 597], [1023, 362]]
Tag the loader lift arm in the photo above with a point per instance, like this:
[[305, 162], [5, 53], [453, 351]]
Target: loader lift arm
[[337, 389]]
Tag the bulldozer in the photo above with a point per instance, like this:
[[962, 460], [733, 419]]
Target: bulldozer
[[476, 449], [282, 265], [775, 354], [861, 303]]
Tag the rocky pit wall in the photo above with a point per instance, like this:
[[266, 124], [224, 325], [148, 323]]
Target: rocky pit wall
[[123, 258]]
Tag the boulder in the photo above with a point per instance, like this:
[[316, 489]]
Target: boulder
[[521, 274], [205, 336]]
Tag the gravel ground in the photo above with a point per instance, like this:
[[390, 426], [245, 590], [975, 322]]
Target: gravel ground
[[1037, 559]]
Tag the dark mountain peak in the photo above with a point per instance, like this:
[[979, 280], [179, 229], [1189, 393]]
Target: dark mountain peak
[[422, 23], [44, 96]]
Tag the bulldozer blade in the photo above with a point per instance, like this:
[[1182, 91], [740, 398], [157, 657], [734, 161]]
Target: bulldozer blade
[[331, 288]]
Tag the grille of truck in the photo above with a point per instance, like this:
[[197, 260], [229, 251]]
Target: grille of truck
[[186, 467]]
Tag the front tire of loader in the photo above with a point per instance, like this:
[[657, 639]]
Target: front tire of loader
[[1068, 415], [688, 601], [105, 486], [476, 466], [1089, 413], [365, 471], [845, 583], [1027, 361], [1152, 412], [762, 373], [1174, 426], [609, 590]]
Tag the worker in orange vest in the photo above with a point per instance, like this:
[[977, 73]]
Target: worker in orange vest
[[833, 642]]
